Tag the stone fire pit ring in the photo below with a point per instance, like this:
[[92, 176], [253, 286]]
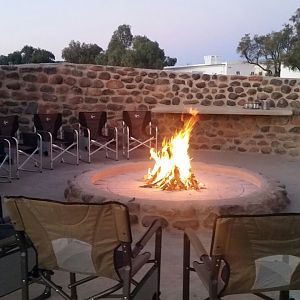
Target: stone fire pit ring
[[229, 190]]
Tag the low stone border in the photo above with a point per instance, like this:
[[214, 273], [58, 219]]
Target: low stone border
[[270, 198]]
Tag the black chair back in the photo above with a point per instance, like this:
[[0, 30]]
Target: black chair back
[[9, 125], [94, 121], [48, 122], [137, 122]]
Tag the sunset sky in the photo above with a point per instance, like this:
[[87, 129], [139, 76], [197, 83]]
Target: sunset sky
[[185, 29]]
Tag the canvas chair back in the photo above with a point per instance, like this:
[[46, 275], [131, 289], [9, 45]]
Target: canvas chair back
[[262, 252], [137, 122], [9, 125], [94, 121], [48, 122], [75, 237]]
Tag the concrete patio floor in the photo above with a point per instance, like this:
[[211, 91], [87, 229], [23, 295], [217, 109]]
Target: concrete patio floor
[[51, 184]]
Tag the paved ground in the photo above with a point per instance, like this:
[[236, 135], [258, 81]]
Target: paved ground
[[51, 184]]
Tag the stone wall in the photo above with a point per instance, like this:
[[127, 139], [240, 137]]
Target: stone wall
[[68, 88]]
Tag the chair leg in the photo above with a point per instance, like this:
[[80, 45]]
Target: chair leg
[[127, 144], [73, 288], [284, 295], [186, 268], [117, 144], [77, 147], [24, 266], [51, 155]]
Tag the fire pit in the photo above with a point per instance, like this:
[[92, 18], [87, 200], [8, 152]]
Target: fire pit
[[228, 190], [171, 188]]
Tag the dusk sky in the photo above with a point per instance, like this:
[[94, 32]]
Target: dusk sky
[[185, 29]]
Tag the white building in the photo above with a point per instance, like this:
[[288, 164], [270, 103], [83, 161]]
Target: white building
[[213, 65]]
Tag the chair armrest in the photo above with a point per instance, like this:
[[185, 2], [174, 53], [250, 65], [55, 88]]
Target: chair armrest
[[8, 242], [76, 126], [154, 228], [120, 124], [43, 134], [9, 139], [198, 247]]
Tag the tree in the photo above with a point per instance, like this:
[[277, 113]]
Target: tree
[[147, 54], [267, 51], [14, 58], [124, 49], [293, 58], [116, 52], [27, 55], [81, 53], [3, 60], [41, 55], [123, 35]]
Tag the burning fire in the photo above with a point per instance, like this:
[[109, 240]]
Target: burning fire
[[172, 169]]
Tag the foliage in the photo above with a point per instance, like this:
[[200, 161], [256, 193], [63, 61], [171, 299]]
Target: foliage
[[27, 55], [123, 36], [293, 58], [124, 49], [272, 50], [267, 51], [81, 53]]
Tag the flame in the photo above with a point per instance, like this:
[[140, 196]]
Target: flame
[[172, 169]]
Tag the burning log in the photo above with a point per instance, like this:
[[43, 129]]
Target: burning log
[[172, 169]]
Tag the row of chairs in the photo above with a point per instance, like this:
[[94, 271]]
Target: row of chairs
[[249, 254], [90, 135]]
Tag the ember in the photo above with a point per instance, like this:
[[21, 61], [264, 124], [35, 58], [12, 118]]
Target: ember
[[172, 169]]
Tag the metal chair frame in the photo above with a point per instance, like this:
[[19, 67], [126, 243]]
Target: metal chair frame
[[130, 143], [85, 131], [12, 143], [38, 162], [8, 159], [53, 144], [61, 151], [100, 146]]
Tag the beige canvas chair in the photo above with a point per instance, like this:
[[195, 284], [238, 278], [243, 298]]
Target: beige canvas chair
[[91, 239], [249, 254]]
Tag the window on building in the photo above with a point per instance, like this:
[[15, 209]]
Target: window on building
[[260, 73], [238, 73], [252, 73]]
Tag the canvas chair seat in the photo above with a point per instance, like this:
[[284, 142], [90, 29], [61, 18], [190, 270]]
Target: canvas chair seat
[[90, 239], [138, 131], [97, 135], [249, 254]]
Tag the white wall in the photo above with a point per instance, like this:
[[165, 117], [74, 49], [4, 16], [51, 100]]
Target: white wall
[[231, 68], [206, 69], [223, 68], [288, 73], [245, 69]]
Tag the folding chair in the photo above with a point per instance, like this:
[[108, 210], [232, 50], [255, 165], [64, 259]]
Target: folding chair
[[28, 145], [10, 266], [138, 131], [56, 142], [8, 146], [97, 135], [249, 254], [91, 239]]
